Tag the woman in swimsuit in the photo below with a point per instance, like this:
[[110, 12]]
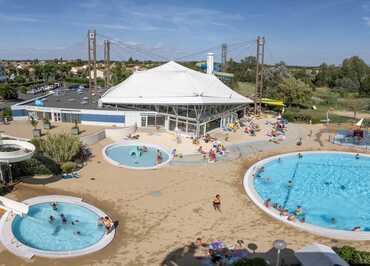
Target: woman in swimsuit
[[217, 203]]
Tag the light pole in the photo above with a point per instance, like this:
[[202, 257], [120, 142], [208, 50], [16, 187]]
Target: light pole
[[279, 245]]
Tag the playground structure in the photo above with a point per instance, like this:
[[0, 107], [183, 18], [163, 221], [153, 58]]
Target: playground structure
[[356, 136]]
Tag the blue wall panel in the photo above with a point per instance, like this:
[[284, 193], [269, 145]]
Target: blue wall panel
[[102, 118], [19, 112]]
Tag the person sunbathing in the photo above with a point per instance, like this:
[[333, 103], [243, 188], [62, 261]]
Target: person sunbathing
[[108, 224], [200, 149], [356, 229]]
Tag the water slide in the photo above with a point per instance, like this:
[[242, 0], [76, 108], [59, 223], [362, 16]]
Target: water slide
[[23, 152], [13, 206]]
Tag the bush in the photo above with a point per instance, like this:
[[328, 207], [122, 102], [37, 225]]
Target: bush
[[60, 148], [353, 256], [37, 165], [68, 167], [251, 262]]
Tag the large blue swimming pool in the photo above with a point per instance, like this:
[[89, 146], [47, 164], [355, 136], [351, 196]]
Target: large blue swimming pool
[[35, 230], [325, 185], [136, 156]]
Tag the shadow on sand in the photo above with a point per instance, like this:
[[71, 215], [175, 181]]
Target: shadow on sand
[[41, 181], [192, 255]]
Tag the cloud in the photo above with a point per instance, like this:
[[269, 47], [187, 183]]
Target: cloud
[[17, 18]]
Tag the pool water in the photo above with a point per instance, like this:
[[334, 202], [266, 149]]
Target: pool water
[[325, 185], [35, 230], [126, 155]]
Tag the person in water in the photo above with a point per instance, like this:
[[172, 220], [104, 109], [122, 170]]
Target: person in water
[[333, 220], [357, 156], [300, 155], [268, 203], [298, 211], [64, 219], [159, 157], [290, 184], [51, 219], [54, 206]]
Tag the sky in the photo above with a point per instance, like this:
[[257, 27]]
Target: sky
[[298, 32]]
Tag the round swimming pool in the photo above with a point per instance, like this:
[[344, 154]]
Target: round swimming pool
[[78, 231], [332, 190], [136, 155], [68, 229]]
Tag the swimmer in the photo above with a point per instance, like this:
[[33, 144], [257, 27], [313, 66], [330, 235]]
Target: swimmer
[[303, 220], [300, 155], [356, 229], [333, 220], [77, 233], [290, 184], [51, 219], [298, 210], [64, 219], [357, 156], [268, 203], [279, 160], [54, 206]]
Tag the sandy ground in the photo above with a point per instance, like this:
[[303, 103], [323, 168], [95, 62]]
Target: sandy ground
[[162, 211]]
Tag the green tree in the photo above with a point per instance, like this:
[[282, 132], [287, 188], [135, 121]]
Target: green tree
[[293, 92], [327, 75], [366, 86], [119, 73], [355, 69], [7, 92]]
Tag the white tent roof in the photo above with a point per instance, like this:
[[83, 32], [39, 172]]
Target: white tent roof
[[172, 83], [319, 255]]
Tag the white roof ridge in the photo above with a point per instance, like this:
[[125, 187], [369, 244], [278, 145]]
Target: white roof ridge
[[172, 83]]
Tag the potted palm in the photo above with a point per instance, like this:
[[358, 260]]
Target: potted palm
[[36, 132], [75, 129], [46, 122]]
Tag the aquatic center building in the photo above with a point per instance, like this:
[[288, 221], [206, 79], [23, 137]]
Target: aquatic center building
[[170, 96]]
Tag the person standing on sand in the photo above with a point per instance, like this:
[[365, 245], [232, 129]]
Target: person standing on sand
[[217, 203]]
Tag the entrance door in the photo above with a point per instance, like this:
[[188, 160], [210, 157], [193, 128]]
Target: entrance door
[[57, 117]]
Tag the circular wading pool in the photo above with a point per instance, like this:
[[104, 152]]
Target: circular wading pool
[[332, 190], [72, 231], [136, 155]]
